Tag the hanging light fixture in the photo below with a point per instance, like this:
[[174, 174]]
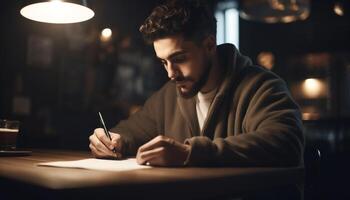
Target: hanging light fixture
[[275, 11], [338, 9], [58, 11], [106, 35]]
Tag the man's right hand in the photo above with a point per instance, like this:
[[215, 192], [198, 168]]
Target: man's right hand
[[102, 147]]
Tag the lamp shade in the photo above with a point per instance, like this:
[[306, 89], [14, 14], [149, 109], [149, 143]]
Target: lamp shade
[[58, 12], [275, 11]]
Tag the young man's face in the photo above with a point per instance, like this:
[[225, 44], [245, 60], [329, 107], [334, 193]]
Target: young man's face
[[187, 63]]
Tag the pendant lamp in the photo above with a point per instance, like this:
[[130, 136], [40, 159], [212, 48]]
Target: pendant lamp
[[275, 11], [58, 11]]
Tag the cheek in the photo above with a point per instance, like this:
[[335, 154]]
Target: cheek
[[198, 68], [192, 69], [186, 70]]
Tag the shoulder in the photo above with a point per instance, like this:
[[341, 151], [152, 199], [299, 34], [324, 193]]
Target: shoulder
[[257, 83], [255, 72], [256, 77]]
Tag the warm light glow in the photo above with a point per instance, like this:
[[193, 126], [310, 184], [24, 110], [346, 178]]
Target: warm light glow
[[338, 9], [288, 19], [313, 88], [275, 11], [277, 5], [310, 116], [266, 59], [57, 12], [304, 15], [106, 35]]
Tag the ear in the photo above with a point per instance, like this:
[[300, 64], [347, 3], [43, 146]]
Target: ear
[[210, 44]]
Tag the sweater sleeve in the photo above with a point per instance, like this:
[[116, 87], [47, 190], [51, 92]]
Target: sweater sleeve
[[140, 127], [272, 131]]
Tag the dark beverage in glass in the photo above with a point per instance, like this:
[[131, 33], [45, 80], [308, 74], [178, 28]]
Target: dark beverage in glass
[[8, 134]]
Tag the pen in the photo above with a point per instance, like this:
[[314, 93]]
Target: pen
[[105, 129]]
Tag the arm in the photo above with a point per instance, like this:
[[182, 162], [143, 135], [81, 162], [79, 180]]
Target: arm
[[139, 127], [273, 132]]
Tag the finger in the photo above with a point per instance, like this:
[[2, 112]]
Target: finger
[[99, 154], [144, 157], [95, 152], [103, 149], [100, 146], [157, 161], [116, 142], [157, 142], [101, 135]]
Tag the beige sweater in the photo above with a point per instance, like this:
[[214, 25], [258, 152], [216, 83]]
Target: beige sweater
[[253, 120]]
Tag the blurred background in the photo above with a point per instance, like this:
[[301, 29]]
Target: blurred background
[[54, 78]]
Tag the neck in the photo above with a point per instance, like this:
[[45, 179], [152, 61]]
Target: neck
[[214, 78]]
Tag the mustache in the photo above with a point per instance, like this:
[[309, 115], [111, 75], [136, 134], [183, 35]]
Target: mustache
[[179, 79]]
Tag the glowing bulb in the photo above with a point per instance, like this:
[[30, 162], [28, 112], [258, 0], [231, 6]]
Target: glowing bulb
[[338, 9], [57, 12], [106, 34], [266, 59], [313, 88]]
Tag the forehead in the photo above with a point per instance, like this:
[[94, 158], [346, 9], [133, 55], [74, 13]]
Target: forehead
[[167, 46]]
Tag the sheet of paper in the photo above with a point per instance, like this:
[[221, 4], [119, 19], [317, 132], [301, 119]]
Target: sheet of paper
[[98, 164]]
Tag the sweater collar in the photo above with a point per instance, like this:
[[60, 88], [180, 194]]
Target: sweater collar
[[232, 62]]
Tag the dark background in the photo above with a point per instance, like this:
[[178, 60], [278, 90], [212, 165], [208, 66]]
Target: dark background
[[82, 77]]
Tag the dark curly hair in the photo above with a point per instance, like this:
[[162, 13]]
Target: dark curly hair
[[191, 18]]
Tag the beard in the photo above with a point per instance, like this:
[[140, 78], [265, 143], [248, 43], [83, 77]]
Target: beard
[[196, 85]]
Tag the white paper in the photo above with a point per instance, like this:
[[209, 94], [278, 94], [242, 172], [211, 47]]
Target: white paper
[[98, 164]]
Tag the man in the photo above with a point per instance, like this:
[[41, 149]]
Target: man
[[217, 109]]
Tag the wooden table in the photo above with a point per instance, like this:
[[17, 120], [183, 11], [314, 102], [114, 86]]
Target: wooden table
[[21, 177]]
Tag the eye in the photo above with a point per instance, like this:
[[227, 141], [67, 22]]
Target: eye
[[179, 59]]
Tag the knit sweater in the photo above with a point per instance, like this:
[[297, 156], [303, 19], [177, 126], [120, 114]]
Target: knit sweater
[[253, 120]]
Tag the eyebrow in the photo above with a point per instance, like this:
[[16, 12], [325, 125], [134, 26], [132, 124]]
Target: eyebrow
[[174, 54]]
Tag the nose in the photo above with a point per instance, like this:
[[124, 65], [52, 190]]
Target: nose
[[172, 71]]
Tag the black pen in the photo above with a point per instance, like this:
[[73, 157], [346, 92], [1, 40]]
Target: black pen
[[105, 129]]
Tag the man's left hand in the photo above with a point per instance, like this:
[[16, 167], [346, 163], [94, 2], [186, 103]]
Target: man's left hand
[[163, 151]]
